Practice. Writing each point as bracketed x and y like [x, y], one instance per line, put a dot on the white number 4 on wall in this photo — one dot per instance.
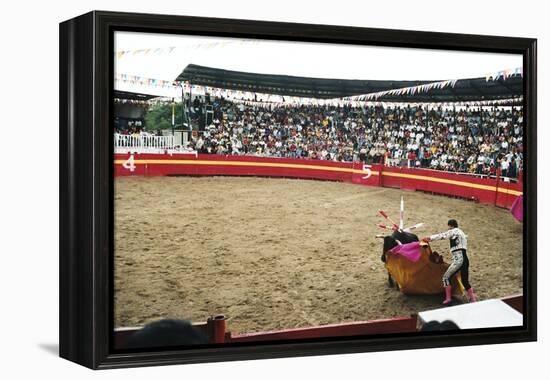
[129, 164]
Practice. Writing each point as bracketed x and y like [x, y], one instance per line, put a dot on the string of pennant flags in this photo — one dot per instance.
[142, 81]
[405, 90]
[262, 98]
[202, 90]
[173, 49]
[199, 89]
[151, 51]
[331, 102]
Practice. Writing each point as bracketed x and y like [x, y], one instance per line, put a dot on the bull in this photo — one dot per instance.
[422, 276]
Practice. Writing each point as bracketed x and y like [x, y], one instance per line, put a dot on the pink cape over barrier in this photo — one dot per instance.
[517, 209]
[410, 251]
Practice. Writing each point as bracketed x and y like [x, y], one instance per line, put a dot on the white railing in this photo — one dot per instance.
[143, 142]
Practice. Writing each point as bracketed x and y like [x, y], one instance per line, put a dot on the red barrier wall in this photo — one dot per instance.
[380, 326]
[209, 165]
[220, 335]
[507, 193]
[485, 190]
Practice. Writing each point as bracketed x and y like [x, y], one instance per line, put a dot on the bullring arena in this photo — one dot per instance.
[279, 253]
[269, 200]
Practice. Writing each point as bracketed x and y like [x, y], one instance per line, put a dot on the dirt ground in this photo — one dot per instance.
[283, 253]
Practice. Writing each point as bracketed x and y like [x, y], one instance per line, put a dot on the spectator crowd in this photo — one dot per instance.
[466, 140]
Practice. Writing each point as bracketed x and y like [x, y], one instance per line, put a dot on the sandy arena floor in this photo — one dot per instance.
[284, 253]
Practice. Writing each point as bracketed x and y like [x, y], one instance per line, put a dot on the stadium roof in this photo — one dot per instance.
[464, 90]
[133, 95]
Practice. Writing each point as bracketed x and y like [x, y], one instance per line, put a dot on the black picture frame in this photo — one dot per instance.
[86, 185]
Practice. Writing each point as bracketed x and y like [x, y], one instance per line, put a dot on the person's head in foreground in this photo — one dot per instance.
[439, 326]
[167, 332]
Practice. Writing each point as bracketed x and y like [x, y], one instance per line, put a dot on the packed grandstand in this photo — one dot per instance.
[478, 140]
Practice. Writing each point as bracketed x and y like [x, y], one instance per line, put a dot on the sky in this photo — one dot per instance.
[306, 59]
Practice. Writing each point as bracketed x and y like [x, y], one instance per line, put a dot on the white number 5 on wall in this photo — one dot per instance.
[366, 169]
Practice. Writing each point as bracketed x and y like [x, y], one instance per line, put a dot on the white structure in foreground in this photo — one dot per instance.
[477, 315]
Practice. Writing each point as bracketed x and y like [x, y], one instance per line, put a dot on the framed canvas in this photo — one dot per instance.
[237, 189]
